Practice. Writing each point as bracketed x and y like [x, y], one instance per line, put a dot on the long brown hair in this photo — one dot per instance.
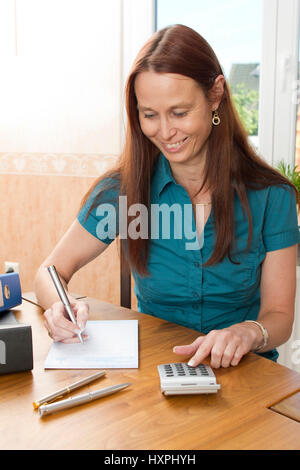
[232, 165]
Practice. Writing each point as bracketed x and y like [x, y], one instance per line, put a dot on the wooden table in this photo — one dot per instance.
[141, 417]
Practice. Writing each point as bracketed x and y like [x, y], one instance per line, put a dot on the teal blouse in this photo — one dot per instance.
[179, 289]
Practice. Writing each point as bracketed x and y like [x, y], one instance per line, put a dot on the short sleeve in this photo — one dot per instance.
[280, 228]
[102, 220]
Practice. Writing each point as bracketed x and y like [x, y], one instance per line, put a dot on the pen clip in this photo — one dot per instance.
[57, 398]
[36, 404]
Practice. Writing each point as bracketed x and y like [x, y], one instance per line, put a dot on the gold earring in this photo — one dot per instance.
[216, 118]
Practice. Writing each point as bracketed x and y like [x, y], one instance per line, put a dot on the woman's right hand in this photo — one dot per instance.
[59, 325]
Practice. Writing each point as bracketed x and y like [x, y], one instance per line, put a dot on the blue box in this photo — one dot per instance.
[10, 291]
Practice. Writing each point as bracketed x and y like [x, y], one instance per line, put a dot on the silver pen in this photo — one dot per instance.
[80, 399]
[63, 296]
[68, 389]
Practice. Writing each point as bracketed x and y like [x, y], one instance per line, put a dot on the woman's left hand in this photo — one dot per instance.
[226, 347]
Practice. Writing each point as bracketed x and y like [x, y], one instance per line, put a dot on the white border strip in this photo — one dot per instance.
[54, 164]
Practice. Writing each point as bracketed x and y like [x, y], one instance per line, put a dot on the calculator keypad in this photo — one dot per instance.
[183, 370]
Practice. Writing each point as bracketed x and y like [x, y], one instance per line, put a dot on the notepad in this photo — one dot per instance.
[111, 344]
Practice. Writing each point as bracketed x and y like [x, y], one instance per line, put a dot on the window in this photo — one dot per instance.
[233, 29]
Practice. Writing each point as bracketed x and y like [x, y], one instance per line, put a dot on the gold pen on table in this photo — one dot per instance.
[64, 391]
[63, 296]
[80, 399]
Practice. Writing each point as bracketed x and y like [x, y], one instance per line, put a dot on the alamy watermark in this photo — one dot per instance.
[165, 221]
[296, 354]
[296, 92]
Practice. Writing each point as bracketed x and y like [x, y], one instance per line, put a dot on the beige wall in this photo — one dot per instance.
[37, 206]
[35, 211]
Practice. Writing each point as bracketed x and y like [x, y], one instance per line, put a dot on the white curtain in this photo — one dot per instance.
[60, 80]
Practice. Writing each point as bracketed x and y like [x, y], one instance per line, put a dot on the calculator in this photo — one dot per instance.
[181, 379]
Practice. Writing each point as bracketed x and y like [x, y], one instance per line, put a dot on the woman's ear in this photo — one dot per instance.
[217, 91]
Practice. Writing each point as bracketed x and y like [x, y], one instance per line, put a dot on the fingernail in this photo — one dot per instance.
[174, 349]
[191, 363]
[81, 326]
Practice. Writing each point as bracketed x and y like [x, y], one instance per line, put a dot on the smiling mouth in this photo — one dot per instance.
[176, 145]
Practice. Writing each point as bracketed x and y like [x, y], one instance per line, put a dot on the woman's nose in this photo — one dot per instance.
[166, 131]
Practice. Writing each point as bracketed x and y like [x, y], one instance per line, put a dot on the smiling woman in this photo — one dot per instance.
[182, 129]
[178, 65]
[186, 145]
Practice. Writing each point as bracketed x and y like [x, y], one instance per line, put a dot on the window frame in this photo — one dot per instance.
[279, 73]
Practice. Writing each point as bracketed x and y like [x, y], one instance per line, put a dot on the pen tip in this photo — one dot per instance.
[80, 337]
[126, 385]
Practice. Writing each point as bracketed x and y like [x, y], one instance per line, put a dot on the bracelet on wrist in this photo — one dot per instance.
[264, 333]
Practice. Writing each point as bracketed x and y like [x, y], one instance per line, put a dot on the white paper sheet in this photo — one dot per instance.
[110, 344]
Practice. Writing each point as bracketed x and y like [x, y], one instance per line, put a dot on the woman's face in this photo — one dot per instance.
[174, 114]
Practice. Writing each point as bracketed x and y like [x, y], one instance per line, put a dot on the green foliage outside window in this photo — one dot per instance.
[246, 103]
[292, 174]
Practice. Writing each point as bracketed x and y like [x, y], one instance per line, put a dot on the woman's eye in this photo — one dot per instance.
[180, 114]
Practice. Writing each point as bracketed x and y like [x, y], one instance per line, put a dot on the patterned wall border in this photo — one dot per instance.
[56, 164]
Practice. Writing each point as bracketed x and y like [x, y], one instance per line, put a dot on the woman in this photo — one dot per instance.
[185, 145]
